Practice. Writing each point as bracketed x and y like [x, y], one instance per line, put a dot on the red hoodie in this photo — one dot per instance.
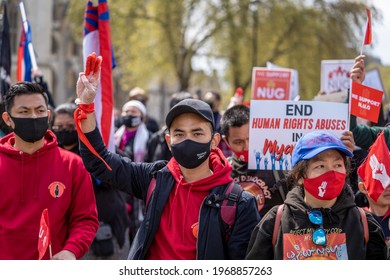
[49, 178]
[175, 239]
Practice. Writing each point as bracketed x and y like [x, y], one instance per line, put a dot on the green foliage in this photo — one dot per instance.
[158, 40]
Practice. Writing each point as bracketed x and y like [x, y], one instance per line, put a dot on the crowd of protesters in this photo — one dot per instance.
[183, 191]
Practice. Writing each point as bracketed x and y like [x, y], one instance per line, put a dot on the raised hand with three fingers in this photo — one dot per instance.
[88, 81]
[86, 89]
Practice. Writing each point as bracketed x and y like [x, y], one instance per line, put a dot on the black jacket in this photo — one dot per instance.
[342, 218]
[157, 148]
[134, 178]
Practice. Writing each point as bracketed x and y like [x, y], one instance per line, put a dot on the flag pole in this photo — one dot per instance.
[50, 252]
[25, 27]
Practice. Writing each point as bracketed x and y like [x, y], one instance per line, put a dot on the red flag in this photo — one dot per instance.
[368, 37]
[44, 238]
[375, 170]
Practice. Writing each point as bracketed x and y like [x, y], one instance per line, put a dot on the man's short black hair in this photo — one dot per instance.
[22, 88]
[235, 116]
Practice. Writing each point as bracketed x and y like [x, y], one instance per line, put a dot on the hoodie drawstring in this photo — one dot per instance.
[22, 175]
[22, 185]
[173, 203]
[36, 177]
[185, 213]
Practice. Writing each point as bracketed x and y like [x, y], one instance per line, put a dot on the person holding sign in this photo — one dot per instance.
[37, 174]
[319, 219]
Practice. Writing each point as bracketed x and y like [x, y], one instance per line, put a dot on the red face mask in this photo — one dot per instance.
[326, 186]
[243, 156]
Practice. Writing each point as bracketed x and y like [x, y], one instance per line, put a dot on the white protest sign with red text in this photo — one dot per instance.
[365, 102]
[271, 84]
[276, 126]
[335, 75]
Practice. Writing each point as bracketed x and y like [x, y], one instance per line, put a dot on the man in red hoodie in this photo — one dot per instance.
[35, 175]
[182, 220]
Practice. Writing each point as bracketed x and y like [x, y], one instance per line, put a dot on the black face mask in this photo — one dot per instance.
[31, 129]
[118, 122]
[190, 154]
[131, 121]
[66, 137]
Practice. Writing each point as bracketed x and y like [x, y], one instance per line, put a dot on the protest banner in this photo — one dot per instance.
[271, 84]
[335, 75]
[276, 126]
[294, 79]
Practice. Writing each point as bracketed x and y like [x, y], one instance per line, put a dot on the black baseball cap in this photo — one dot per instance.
[195, 106]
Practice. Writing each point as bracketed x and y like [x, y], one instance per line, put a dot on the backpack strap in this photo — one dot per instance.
[151, 188]
[365, 224]
[277, 224]
[280, 186]
[229, 206]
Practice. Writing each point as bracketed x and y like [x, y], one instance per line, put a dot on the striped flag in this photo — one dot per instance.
[97, 38]
[24, 66]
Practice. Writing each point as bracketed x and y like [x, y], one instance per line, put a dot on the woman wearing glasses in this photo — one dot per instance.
[319, 219]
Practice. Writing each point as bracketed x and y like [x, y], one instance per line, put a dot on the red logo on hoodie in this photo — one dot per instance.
[195, 229]
[56, 189]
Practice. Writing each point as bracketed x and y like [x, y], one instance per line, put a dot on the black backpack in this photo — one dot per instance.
[228, 204]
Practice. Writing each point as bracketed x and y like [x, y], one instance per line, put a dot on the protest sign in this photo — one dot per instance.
[276, 126]
[271, 84]
[365, 102]
[294, 86]
[335, 75]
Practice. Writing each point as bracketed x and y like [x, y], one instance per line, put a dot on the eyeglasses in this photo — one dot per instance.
[319, 235]
[69, 127]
